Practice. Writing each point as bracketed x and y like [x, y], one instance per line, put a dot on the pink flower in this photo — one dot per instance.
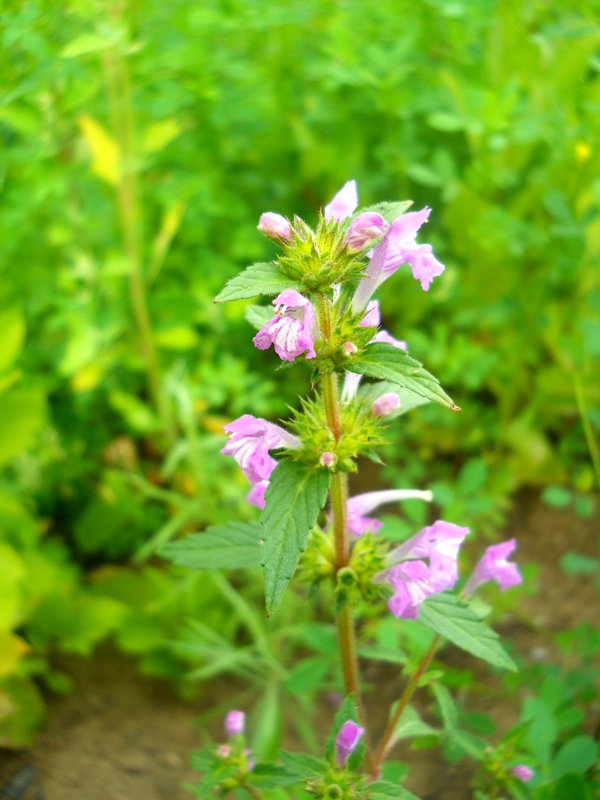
[364, 230]
[412, 585]
[291, 329]
[360, 505]
[327, 459]
[346, 741]
[523, 773]
[387, 338]
[386, 404]
[493, 566]
[234, 723]
[399, 247]
[250, 439]
[343, 204]
[274, 226]
[414, 580]
[439, 543]
[256, 495]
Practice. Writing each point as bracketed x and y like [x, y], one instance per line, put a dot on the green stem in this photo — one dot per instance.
[128, 199]
[339, 510]
[404, 700]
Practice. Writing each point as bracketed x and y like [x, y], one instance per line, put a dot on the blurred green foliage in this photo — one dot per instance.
[141, 140]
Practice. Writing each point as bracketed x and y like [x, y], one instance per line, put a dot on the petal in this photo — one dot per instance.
[343, 204]
[362, 504]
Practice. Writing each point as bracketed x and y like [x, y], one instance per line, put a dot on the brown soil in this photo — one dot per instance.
[120, 736]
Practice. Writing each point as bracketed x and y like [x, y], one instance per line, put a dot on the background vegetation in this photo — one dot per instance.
[141, 140]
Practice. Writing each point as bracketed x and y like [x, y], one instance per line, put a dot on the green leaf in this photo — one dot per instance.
[308, 675]
[411, 725]
[12, 334]
[21, 414]
[258, 316]
[233, 546]
[293, 500]
[456, 738]
[455, 621]
[261, 278]
[577, 755]
[301, 764]
[382, 790]
[388, 363]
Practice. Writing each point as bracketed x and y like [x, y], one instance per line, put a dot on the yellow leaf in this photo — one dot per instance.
[106, 158]
[159, 134]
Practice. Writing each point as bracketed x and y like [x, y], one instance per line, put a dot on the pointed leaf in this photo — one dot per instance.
[386, 790]
[293, 500]
[261, 278]
[232, 546]
[388, 363]
[455, 621]
[258, 316]
[369, 392]
[389, 211]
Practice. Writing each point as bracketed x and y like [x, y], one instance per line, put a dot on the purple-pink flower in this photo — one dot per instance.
[250, 439]
[234, 723]
[399, 247]
[494, 566]
[386, 404]
[346, 741]
[256, 495]
[364, 230]
[372, 318]
[439, 543]
[412, 579]
[291, 329]
[412, 585]
[275, 226]
[343, 204]
[523, 773]
[362, 504]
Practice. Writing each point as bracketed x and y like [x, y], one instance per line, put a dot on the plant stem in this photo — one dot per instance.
[128, 198]
[339, 510]
[404, 700]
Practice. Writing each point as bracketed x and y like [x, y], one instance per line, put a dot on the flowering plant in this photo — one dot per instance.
[324, 314]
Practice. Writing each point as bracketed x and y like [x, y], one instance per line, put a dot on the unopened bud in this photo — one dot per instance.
[274, 226]
[327, 459]
[523, 773]
[346, 741]
[349, 348]
[224, 751]
[365, 229]
[386, 404]
[346, 576]
[234, 723]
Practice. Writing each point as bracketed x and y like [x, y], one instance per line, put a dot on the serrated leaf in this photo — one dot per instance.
[302, 764]
[293, 500]
[257, 279]
[233, 546]
[258, 316]
[455, 621]
[388, 363]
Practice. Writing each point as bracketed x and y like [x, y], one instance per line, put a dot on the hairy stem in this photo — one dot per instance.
[339, 510]
[404, 700]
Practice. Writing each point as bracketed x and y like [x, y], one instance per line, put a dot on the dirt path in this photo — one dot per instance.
[120, 736]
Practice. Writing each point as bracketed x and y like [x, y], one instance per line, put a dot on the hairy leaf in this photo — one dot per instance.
[260, 278]
[455, 621]
[388, 363]
[232, 546]
[293, 500]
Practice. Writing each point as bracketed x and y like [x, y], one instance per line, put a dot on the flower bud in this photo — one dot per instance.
[327, 459]
[234, 723]
[386, 404]
[224, 751]
[523, 773]
[364, 230]
[349, 348]
[274, 226]
[346, 741]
